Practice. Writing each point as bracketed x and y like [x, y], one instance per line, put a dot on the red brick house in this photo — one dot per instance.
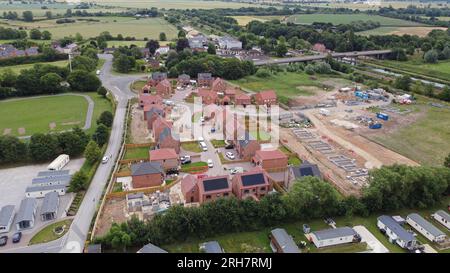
[252, 184]
[204, 79]
[146, 174]
[230, 92]
[212, 188]
[243, 99]
[152, 112]
[158, 125]
[164, 88]
[183, 79]
[167, 157]
[149, 99]
[226, 100]
[218, 85]
[167, 140]
[208, 96]
[246, 148]
[271, 160]
[189, 189]
[267, 97]
[156, 78]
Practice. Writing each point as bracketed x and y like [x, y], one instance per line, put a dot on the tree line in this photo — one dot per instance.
[390, 188]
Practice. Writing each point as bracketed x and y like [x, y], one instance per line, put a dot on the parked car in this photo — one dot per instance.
[210, 163]
[236, 170]
[16, 237]
[230, 155]
[186, 159]
[3, 240]
[203, 146]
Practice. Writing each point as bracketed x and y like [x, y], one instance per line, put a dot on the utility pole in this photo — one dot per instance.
[70, 61]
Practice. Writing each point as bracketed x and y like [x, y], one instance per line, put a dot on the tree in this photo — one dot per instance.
[426, 47]
[51, 83]
[35, 34]
[46, 35]
[106, 118]
[78, 37]
[78, 182]
[92, 152]
[102, 91]
[403, 82]
[162, 36]
[124, 63]
[152, 46]
[27, 16]
[445, 94]
[431, 56]
[83, 81]
[84, 63]
[181, 34]
[71, 143]
[8, 78]
[447, 161]
[12, 149]
[43, 147]
[101, 135]
[281, 49]
[182, 43]
[211, 49]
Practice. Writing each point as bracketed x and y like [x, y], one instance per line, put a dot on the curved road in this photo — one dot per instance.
[73, 241]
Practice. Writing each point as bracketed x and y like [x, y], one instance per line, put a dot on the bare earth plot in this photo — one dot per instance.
[420, 31]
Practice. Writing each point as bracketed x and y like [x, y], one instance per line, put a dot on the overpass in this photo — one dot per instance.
[335, 55]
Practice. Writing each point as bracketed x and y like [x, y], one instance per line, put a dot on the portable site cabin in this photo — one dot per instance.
[41, 191]
[6, 218]
[333, 236]
[49, 210]
[27, 212]
[396, 233]
[442, 217]
[425, 228]
[282, 242]
[59, 163]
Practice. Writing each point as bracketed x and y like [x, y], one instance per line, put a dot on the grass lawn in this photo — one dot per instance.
[173, 4]
[127, 26]
[138, 85]
[191, 147]
[18, 68]
[36, 114]
[101, 104]
[347, 19]
[244, 20]
[47, 234]
[258, 241]
[218, 143]
[138, 152]
[195, 166]
[292, 158]
[427, 140]
[286, 84]
[415, 64]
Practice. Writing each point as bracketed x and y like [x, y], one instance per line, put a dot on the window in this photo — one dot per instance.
[263, 188]
[225, 194]
[208, 197]
[246, 191]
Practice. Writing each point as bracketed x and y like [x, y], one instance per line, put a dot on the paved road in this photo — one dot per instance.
[73, 241]
[321, 57]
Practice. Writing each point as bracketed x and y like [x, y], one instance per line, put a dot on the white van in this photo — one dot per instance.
[203, 146]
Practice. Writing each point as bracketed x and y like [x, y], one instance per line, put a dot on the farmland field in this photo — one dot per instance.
[377, 4]
[347, 18]
[18, 68]
[244, 20]
[427, 140]
[171, 4]
[419, 31]
[127, 26]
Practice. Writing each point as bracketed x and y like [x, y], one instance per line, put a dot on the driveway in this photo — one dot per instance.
[371, 240]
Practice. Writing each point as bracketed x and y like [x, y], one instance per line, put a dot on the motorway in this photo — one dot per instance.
[321, 56]
[73, 241]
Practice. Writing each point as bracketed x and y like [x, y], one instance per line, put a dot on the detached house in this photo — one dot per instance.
[157, 77]
[168, 140]
[208, 96]
[158, 126]
[204, 79]
[168, 158]
[184, 79]
[252, 184]
[164, 88]
[246, 148]
[149, 99]
[271, 160]
[243, 99]
[147, 174]
[268, 97]
[218, 85]
[189, 189]
[153, 112]
[211, 188]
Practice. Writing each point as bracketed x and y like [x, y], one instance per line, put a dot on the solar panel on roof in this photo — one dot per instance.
[306, 171]
[252, 179]
[215, 184]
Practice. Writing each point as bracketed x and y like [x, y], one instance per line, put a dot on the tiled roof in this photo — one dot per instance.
[146, 168]
[267, 155]
[161, 154]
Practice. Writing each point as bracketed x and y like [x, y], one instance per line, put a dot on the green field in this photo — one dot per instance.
[427, 140]
[347, 19]
[376, 5]
[127, 26]
[440, 70]
[139, 152]
[258, 241]
[35, 114]
[18, 68]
